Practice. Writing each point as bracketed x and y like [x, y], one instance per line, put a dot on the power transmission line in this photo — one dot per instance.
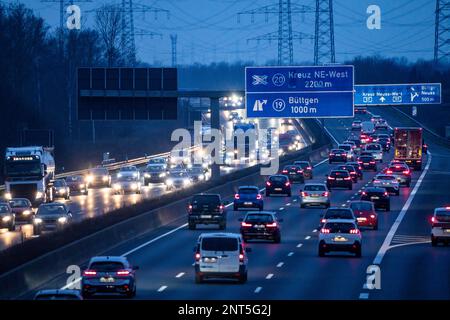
[324, 33]
[442, 31]
[173, 40]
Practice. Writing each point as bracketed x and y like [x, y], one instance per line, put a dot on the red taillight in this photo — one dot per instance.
[324, 230]
[354, 231]
[331, 178]
[258, 197]
[347, 178]
[376, 181]
[360, 168]
[325, 194]
[241, 257]
[236, 196]
[360, 163]
[331, 154]
[372, 216]
[245, 224]
[123, 273]
[389, 171]
[323, 220]
[309, 168]
[89, 273]
[221, 207]
[397, 167]
[197, 256]
[304, 194]
[364, 193]
[284, 171]
[406, 172]
[268, 184]
[190, 207]
[372, 162]
[433, 219]
[447, 208]
[299, 171]
[386, 194]
[287, 184]
[271, 225]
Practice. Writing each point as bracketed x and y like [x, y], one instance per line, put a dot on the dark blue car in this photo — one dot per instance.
[248, 197]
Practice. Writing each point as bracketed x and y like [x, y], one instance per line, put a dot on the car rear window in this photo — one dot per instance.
[206, 200]
[337, 151]
[443, 215]
[248, 190]
[263, 218]
[348, 168]
[219, 244]
[99, 171]
[338, 213]
[315, 188]
[366, 159]
[385, 178]
[106, 266]
[343, 174]
[51, 210]
[278, 178]
[339, 227]
[345, 147]
[291, 168]
[302, 164]
[397, 168]
[361, 206]
[373, 147]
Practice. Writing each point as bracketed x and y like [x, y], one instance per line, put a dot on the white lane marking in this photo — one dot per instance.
[282, 208]
[193, 264]
[315, 230]
[288, 204]
[162, 288]
[180, 275]
[348, 200]
[329, 133]
[290, 254]
[408, 244]
[365, 286]
[269, 276]
[261, 190]
[299, 245]
[258, 289]
[295, 200]
[279, 265]
[228, 204]
[364, 295]
[307, 237]
[319, 163]
[385, 246]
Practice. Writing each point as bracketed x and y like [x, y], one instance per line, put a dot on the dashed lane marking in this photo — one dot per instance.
[364, 295]
[307, 237]
[299, 245]
[258, 289]
[290, 254]
[269, 276]
[280, 264]
[180, 274]
[162, 288]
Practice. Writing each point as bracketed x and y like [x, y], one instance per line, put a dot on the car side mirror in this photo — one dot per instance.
[135, 267]
[241, 219]
[248, 250]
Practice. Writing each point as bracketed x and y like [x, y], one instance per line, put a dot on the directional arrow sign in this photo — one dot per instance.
[299, 92]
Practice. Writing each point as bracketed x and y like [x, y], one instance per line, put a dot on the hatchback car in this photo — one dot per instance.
[440, 226]
[315, 194]
[379, 197]
[51, 216]
[278, 184]
[261, 225]
[7, 217]
[337, 155]
[98, 177]
[61, 189]
[306, 167]
[340, 235]
[339, 179]
[77, 184]
[350, 170]
[387, 181]
[357, 168]
[367, 162]
[401, 172]
[58, 294]
[295, 173]
[336, 213]
[365, 214]
[248, 197]
[22, 209]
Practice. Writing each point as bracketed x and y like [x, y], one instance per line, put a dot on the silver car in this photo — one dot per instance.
[178, 179]
[389, 182]
[315, 194]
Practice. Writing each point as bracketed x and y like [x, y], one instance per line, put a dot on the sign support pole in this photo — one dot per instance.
[215, 124]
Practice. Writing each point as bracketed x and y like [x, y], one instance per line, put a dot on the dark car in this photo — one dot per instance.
[278, 184]
[295, 173]
[58, 294]
[385, 143]
[7, 217]
[60, 189]
[336, 213]
[51, 216]
[197, 172]
[379, 197]
[357, 168]
[339, 179]
[350, 170]
[155, 173]
[22, 209]
[261, 225]
[365, 214]
[361, 110]
[109, 275]
[98, 177]
[248, 197]
[206, 208]
[77, 184]
[367, 162]
[337, 155]
[306, 167]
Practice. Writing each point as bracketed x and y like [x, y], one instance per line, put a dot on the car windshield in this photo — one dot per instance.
[385, 178]
[75, 179]
[126, 178]
[155, 168]
[366, 159]
[4, 208]
[443, 215]
[125, 169]
[339, 227]
[339, 174]
[99, 172]
[278, 179]
[178, 174]
[338, 213]
[345, 147]
[219, 244]
[348, 168]
[248, 190]
[17, 203]
[206, 200]
[157, 161]
[315, 187]
[106, 266]
[47, 210]
[261, 218]
[59, 183]
[59, 296]
[361, 206]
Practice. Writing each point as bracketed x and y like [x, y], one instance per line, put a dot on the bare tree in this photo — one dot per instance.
[108, 24]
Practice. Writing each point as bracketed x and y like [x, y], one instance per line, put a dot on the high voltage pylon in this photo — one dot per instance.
[285, 35]
[442, 31]
[324, 33]
[173, 40]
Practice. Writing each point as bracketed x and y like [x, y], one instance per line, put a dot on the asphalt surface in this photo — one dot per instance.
[292, 269]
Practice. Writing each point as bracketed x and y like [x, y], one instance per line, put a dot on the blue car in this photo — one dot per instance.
[248, 197]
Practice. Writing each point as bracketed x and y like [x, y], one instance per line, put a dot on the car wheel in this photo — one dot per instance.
[86, 295]
[302, 205]
[350, 187]
[327, 205]
[321, 252]
[235, 208]
[434, 241]
[375, 227]
[192, 226]
[408, 184]
[289, 194]
[330, 162]
[37, 231]
[358, 252]
[243, 278]
[397, 193]
[310, 177]
[261, 208]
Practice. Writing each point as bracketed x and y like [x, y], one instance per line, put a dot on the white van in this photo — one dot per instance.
[220, 255]
[367, 127]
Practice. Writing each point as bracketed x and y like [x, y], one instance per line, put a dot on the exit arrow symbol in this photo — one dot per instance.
[382, 99]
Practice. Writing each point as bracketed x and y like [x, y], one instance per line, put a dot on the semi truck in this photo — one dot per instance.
[28, 172]
[408, 143]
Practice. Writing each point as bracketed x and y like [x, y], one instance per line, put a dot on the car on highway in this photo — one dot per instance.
[365, 138]
[248, 197]
[58, 294]
[77, 184]
[98, 177]
[336, 213]
[177, 179]
[22, 209]
[159, 161]
[197, 172]
[129, 171]
[360, 110]
[379, 197]
[340, 235]
[109, 275]
[126, 183]
[351, 169]
[385, 144]
[356, 125]
[221, 255]
[367, 127]
[440, 226]
[365, 214]
[349, 150]
[306, 167]
[337, 155]
[60, 189]
[207, 208]
[352, 143]
[339, 179]
[356, 141]
[295, 173]
[261, 225]
[315, 194]
[381, 125]
[387, 181]
[375, 118]
[375, 150]
[401, 171]
[278, 184]
[357, 168]
[155, 173]
[367, 162]
[51, 216]
[7, 217]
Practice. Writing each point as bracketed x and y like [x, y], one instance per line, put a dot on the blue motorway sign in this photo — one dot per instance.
[299, 92]
[397, 94]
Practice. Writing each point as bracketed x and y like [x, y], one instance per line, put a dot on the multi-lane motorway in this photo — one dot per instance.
[410, 268]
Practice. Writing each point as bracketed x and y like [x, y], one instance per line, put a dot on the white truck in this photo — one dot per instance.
[28, 173]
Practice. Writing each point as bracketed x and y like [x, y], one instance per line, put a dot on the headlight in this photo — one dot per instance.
[186, 182]
[116, 186]
[6, 218]
[90, 178]
[169, 182]
[82, 185]
[146, 175]
[189, 165]
[39, 195]
[119, 175]
[134, 186]
[62, 190]
[26, 212]
[105, 178]
[135, 174]
[8, 196]
[201, 177]
[162, 175]
[62, 220]
[37, 220]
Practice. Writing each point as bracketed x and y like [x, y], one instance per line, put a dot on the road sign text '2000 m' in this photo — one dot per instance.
[299, 92]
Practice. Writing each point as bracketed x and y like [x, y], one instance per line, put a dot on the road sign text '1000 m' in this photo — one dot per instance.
[299, 91]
